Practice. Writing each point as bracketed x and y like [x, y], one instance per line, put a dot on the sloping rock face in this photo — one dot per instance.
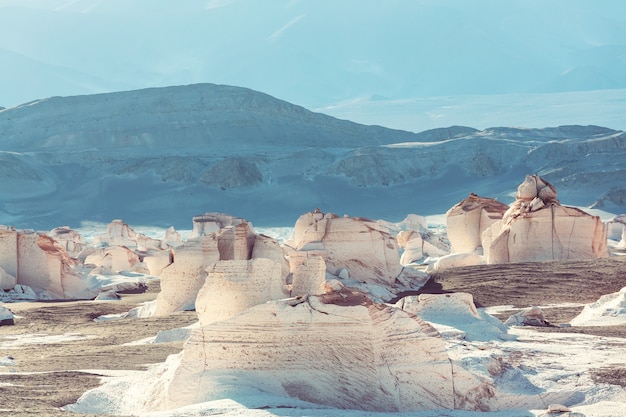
[363, 356]
[360, 246]
[467, 220]
[537, 228]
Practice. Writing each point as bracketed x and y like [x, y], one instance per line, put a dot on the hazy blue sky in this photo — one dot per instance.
[312, 52]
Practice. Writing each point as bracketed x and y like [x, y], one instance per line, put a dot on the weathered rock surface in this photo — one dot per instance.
[362, 247]
[468, 219]
[365, 356]
[112, 259]
[233, 286]
[224, 257]
[38, 261]
[6, 316]
[118, 234]
[537, 228]
[71, 240]
[532, 316]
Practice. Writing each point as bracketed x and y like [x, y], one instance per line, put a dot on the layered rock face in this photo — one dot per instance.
[360, 355]
[537, 228]
[467, 221]
[222, 270]
[71, 240]
[361, 247]
[38, 261]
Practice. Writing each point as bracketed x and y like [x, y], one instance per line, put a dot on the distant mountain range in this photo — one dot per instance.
[159, 156]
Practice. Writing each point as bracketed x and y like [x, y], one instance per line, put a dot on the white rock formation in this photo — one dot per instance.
[233, 286]
[118, 234]
[532, 316]
[147, 243]
[364, 356]
[6, 316]
[419, 245]
[609, 310]
[617, 230]
[71, 240]
[467, 220]
[455, 315]
[182, 279]
[38, 261]
[113, 259]
[208, 223]
[362, 247]
[537, 228]
[7, 281]
[455, 260]
[172, 237]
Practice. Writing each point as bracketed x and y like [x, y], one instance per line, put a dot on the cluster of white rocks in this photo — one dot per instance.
[535, 227]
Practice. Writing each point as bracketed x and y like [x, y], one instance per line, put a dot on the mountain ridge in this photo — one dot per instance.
[160, 156]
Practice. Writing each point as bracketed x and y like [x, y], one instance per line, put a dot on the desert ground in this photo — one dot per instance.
[44, 377]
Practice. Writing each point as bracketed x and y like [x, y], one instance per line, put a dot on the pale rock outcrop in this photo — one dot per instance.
[112, 259]
[455, 315]
[147, 243]
[309, 277]
[118, 234]
[532, 316]
[455, 260]
[419, 245]
[71, 240]
[172, 237]
[7, 281]
[537, 228]
[361, 246]
[224, 254]
[38, 261]
[616, 230]
[233, 286]
[6, 316]
[267, 247]
[236, 242]
[358, 355]
[609, 310]
[182, 279]
[208, 223]
[157, 261]
[467, 220]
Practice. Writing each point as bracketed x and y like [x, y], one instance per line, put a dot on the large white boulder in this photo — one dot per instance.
[537, 228]
[468, 219]
[362, 247]
[368, 356]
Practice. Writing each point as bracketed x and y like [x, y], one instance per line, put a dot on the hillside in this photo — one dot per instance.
[159, 156]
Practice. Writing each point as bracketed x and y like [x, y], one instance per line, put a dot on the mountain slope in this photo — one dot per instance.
[160, 156]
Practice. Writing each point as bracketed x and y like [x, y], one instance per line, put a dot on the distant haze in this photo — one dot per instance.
[318, 54]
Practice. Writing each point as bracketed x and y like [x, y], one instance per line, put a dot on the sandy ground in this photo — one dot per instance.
[47, 376]
[51, 375]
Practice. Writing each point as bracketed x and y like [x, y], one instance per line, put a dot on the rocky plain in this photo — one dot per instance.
[344, 315]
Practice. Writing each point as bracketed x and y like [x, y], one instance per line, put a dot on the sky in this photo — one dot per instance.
[313, 53]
